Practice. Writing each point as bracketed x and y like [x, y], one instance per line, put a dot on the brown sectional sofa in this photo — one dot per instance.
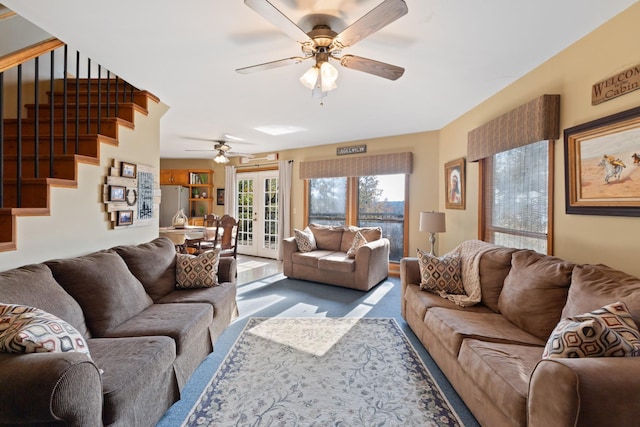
[330, 264]
[491, 352]
[145, 336]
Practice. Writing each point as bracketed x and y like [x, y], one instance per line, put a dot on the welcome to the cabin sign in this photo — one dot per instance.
[615, 86]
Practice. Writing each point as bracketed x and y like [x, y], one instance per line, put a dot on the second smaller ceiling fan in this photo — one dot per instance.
[223, 149]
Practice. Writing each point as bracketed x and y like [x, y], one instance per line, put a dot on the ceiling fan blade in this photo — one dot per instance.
[380, 69]
[270, 65]
[380, 16]
[211, 149]
[272, 14]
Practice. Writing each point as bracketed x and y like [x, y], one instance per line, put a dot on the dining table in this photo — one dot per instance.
[178, 235]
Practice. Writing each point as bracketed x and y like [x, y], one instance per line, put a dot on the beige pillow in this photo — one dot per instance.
[358, 241]
[441, 275]
[199, 271]
[534, 292]
[607, 331]
[305, 240]
[27, 329]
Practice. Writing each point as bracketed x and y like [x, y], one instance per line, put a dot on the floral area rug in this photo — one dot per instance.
[322, 372]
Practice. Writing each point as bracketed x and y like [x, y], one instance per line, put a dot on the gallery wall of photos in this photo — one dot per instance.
[131, 194]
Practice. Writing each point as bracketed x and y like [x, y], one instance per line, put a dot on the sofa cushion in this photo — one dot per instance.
[185, 323]
[328, 237]
[594, 286]
[135, 375]
[607, 331]
[420, 301]
[43, 292]
[441, 274]
[534, 292]
[197, 271]
[349, 234]
[305, 240]
[336, 261]
[25, 329]
[309, 259]
[107, 291]
[501, 371]
[453, 326]
[358, 241]
[153, 264]
[494, 268]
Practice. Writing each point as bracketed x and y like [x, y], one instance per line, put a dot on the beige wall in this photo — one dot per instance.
[78, 222]
[571, 73]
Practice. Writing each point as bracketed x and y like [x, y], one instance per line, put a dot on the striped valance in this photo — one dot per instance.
[383, 164]
[537, 120]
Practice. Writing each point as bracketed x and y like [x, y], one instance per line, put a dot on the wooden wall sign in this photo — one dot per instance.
[354, 149]
[131, 195]
[615, 86]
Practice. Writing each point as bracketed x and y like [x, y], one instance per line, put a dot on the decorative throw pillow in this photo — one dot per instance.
[199, 271]
[25, 329]
[305, 240]
[358, 241]
[607, 331]
[442, 275]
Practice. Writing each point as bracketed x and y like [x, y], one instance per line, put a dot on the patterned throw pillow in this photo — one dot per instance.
[358, 240]
[25, 329]
[441, 275]
[305, 240]
[199, 271]
[607, 331]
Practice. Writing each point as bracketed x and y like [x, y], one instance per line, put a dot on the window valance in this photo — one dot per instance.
[537, 120]
[382, 164]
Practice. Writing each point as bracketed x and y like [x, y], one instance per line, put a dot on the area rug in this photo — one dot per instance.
[322, 372]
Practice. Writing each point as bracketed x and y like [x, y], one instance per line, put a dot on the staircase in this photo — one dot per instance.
[43, 148]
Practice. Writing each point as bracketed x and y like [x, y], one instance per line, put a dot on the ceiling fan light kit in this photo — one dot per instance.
[322, 43]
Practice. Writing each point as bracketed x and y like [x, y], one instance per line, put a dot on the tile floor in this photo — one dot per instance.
[254, 268]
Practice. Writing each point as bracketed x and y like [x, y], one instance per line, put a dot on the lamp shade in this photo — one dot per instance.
[432, 222]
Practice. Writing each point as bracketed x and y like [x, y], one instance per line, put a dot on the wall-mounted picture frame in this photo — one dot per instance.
[127, 170]
[220, 197]
[602, 166]
[454, 184]
[117, 193]
[125, 217]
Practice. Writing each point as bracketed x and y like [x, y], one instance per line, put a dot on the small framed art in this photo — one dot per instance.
[454, 183]
[127, 170]
[125, 217]
[117, 193]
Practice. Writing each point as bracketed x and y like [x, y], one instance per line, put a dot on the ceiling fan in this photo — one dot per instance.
[223, 149]
[324, 44]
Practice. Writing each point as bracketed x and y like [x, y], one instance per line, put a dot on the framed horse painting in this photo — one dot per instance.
[602, 166]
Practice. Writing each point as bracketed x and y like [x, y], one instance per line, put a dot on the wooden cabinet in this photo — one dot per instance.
[200, 185]
[174, 177]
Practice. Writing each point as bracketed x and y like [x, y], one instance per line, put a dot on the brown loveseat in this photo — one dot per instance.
[491, 352]
[329, 262]
[145, 337]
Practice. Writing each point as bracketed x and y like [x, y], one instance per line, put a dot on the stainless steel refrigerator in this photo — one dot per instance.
[174, 197]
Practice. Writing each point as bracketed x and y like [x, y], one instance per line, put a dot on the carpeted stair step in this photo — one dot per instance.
[108, 127]
[126, 111]
[88, 145]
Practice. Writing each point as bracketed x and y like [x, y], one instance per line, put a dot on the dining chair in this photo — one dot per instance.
[228, 228]
[209, 238]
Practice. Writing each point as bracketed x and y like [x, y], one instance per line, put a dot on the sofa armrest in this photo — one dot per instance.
[227, 269]
[289, 246]
[372, 263]
[45, 387]
[586, 391]
[409, 274]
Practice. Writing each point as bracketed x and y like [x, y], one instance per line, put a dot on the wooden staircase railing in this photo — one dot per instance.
[63, 111]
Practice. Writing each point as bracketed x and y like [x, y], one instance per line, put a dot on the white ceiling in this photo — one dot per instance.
[456, 54]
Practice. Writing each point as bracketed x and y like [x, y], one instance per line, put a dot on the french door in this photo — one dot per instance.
[257, 214]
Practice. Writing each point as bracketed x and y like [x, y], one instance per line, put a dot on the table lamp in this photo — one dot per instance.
[432, 222]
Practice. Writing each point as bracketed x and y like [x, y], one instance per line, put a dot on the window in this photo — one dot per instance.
[366, 201]
[517, 197]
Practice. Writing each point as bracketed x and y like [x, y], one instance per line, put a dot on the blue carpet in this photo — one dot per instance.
[277, 296]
